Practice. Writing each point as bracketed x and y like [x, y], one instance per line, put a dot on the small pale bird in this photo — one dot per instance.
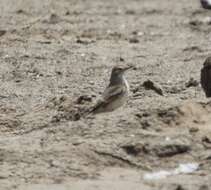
[206, 77]
[116, 93]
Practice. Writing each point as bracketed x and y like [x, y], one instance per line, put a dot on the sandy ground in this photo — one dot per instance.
[55, 61]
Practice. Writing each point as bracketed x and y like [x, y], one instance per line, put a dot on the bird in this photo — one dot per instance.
[116, 93]
[206, 77]
[206, 4]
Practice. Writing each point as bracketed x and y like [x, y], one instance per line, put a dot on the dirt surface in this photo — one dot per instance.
[55, 61]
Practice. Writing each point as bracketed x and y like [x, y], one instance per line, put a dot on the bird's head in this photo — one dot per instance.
[120, 70]
[117, 74]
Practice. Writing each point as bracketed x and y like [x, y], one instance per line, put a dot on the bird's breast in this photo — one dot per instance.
[126, 84]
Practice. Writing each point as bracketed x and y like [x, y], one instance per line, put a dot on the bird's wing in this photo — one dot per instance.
[109, 95]
[113, 91]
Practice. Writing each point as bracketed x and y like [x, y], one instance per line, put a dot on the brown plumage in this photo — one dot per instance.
[115, 95]
[206, 77]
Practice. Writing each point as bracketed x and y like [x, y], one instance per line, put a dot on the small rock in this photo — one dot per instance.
[134, 40]
[141, 115]
[52, 19]
[121, 59]
[84, 41]
[67, 13]
[206, 139]
[193, 129]
[179, 187]
[130, 12]
[54, 163]
[2, 32]
[192, 83]
[114, 34]
[168, 115]
[149, 85]
[173, 187]
[195, 22]
[82, 99]
[204, 187]
[5, 174]
[58, 72]
[193, 48]
[137, 33]
[170, 148]
[20, 11]
[133, 150]
[145, 124]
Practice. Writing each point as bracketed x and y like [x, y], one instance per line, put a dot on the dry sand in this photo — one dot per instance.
[55, 60]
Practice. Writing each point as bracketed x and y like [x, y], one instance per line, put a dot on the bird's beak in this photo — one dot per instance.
[128, 67]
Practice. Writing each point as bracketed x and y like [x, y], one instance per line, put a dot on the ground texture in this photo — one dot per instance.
[55, 61]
